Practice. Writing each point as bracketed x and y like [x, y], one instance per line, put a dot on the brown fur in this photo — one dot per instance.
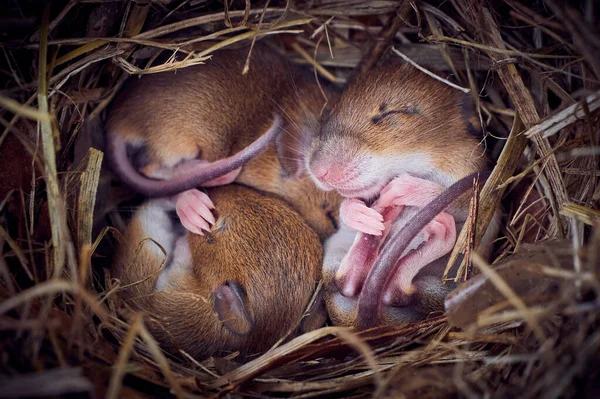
[258, 241]
[421, 117]
[391, 111]
[213, 111]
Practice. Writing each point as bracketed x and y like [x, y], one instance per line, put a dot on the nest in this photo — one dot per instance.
[534, 71]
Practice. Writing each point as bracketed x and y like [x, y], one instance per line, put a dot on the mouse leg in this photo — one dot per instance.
[355, 214]
[194, 210]
[405, 190]
[440, 233]
[440, 237]
[356, 264]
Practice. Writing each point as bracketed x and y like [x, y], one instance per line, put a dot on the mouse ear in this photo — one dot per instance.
[316, 314]
[231, 308]
[469, 114]
[292, 145]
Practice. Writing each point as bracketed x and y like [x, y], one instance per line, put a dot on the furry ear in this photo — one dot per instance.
[292, 147]
[230, 304]
[469, 114]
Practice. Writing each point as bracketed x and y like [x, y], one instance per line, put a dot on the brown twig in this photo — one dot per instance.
[384, 39]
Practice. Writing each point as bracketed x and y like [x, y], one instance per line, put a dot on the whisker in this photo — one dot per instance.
[294, 150]
[282, 110]
[291, 135]
[317, 75]
[301, 103]
[288, 158]
[443, 123]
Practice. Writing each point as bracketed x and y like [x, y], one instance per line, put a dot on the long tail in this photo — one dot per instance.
[124, 169]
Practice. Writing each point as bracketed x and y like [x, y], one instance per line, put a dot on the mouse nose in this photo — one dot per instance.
[320, 171]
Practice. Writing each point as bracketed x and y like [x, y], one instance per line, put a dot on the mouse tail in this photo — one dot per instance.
[122, 166]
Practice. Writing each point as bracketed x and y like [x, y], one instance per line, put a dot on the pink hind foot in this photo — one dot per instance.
[440, 237]
[358, 216]
[194, 210]
[359, 259]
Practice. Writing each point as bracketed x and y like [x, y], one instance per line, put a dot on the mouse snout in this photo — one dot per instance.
[332, 169]
[329, 174]
[320, 171]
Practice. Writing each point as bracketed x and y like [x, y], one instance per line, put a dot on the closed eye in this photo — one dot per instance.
[407, 110]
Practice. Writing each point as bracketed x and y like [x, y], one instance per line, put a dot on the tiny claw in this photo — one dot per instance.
[426, 235]
[358, 216]
[372, 213]
[202, 197]
[193, 209]
[190, 227]
[203, 211]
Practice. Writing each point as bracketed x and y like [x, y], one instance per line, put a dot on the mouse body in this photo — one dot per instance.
[172, 126]
[393, 143]
[240, 287]
[397, 262]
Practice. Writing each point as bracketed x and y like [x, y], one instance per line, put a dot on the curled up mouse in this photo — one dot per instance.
[237, 251]
[394, 142]
[208, 125]
[240, 287]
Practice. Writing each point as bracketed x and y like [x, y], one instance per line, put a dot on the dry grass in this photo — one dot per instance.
[534, 73]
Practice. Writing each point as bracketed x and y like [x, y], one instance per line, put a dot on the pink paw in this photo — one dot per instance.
[443, 228]
[440, 237]
[193, 208]
[358, 216]
[409, 191]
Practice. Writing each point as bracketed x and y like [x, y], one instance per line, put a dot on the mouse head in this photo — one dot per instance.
[393, 120]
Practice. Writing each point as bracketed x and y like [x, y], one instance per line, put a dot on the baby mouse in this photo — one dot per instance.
[166, 129]
[241, 287]
[400, 138]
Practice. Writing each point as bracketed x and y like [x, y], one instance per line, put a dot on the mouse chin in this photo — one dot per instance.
[321, 185]
[367, 192]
